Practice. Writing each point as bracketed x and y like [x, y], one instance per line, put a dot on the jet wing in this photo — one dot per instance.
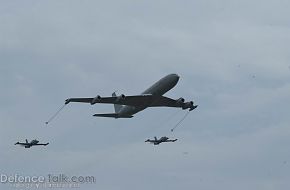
[164, 101]
[41, 144]
[114, 115]
[23, 144]
[143, 100]
[171, 140]
[139, 100]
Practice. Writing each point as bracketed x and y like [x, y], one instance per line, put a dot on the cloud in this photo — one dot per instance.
[233, 61]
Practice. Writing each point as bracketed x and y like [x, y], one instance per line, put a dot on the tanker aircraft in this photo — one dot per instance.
[127, 106]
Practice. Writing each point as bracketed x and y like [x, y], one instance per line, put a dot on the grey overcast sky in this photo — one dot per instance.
[233, 60]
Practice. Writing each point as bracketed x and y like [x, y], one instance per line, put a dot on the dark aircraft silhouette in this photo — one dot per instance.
[30, 144]
[127, 106]
[161, 140]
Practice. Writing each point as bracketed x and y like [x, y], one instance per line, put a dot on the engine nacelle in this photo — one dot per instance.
[188, 105]
[96, 99]
[121, 97]
[180, 101]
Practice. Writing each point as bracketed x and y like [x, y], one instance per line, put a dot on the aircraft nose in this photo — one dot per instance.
[175, 77]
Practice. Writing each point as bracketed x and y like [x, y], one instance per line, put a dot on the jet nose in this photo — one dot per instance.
[171, 80]
[175, 77]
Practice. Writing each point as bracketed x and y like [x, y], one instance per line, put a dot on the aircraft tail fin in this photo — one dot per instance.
[114, 115]
[26, 140]
[155, 138]
[116, 106]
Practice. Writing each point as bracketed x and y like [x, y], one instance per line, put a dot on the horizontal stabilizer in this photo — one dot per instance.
[114, 115]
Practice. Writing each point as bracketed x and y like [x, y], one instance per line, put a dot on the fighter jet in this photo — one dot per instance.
[127, 106]
[30, 144]
[161, 140]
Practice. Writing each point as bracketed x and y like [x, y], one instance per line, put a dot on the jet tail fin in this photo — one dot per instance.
[114, 115]
[155, 138]
[116, 106]
[26, 140]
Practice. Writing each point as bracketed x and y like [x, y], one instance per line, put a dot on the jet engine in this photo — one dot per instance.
[180, 101]
[96, 99]
[187, 105]
[121, 97]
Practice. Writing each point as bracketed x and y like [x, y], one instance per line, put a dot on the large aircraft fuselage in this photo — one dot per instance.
[158, 89]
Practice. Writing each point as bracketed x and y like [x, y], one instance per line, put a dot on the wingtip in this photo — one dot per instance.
[194, 107]
[67, 101]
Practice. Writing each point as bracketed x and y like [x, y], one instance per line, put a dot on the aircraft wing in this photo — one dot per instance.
[143, 100]
[171, 140]
[151, 141]
[22, 144]
[41, 144]
[138, 100]
[164, 101]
